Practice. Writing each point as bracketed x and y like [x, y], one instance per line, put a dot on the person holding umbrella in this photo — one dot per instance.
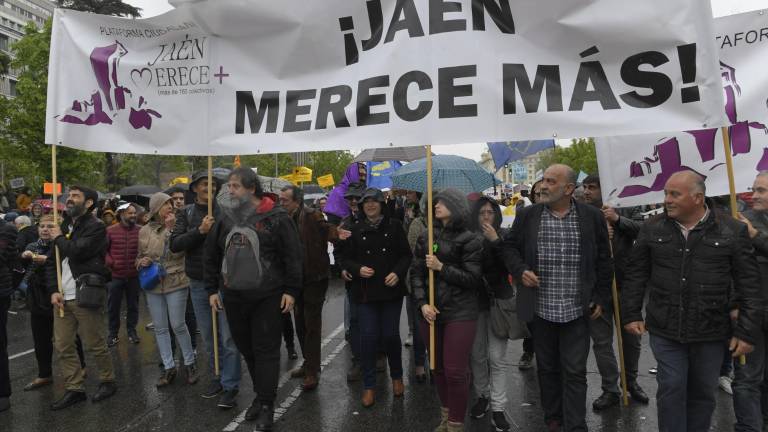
[377, 256]
[458, 267]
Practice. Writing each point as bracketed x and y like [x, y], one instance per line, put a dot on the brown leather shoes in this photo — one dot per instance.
[398, 388]
[310, 382]
[369, 398]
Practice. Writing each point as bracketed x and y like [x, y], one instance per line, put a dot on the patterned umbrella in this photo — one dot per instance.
[448, 171]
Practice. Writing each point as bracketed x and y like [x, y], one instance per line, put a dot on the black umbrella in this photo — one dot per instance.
[139, 190]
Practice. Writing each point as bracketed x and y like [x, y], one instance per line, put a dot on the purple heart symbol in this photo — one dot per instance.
[139, 79]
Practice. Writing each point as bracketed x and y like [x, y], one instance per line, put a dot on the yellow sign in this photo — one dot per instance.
[177, 180]
[290, 178]
[326, 181]
[302, 174]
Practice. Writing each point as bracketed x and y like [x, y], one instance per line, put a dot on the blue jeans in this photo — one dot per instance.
[380, 319]
[229, 356]
[419, 349]
[165, 307]
[749, 388]
[687, 380]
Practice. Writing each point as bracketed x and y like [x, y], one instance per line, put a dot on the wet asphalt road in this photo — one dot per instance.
[334, 406]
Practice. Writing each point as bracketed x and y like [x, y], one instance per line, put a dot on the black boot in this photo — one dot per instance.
[266, 418]
[70, 398]
[253, 411]
[637, 393]
[106, 390]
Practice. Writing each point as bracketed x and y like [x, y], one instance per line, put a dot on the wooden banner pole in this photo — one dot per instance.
[732, 188]
[619, 336]
[214, 312]
[430, 251]
[55, 180]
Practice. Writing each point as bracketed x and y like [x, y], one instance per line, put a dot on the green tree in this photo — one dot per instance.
[580, 155]
[22, 134]
[103, 7]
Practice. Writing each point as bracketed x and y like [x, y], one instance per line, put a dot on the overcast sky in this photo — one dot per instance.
[151, 8]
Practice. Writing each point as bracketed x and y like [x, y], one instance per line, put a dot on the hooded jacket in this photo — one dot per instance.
[382, 247]
[496, 279]
[461, 252]
[279, 245]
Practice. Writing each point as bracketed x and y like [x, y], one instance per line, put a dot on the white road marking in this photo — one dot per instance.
[21, 354]
[240, 418]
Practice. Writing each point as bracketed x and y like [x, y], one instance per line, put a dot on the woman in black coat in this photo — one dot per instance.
[458, 268]
[377, 256]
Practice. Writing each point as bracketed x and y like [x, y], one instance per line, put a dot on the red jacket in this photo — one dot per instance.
[122, 248]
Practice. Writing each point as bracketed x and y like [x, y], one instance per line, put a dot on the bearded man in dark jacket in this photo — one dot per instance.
[255, 313]
[559, 252]
[82, 243]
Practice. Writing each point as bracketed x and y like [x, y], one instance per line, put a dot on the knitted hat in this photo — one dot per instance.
[156, 202]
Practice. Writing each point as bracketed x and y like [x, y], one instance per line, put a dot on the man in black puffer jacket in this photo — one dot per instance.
[192, 227]
[688, 260]
[7, 258]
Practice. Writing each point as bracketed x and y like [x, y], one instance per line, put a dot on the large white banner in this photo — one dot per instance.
[634, 169]
[253, 76]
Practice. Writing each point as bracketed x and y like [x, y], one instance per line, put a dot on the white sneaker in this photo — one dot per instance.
[725, 384]
[409, 340]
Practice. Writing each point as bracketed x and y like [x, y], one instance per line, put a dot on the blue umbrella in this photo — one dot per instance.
[448, 171]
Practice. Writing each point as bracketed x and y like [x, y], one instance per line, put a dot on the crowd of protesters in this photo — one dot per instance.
[250, 258]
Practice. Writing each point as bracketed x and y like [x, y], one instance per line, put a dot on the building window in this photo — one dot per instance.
[12, 87]
[3, 42]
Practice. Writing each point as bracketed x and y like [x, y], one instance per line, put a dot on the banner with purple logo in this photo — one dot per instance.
[249, 76]
[634, 169]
